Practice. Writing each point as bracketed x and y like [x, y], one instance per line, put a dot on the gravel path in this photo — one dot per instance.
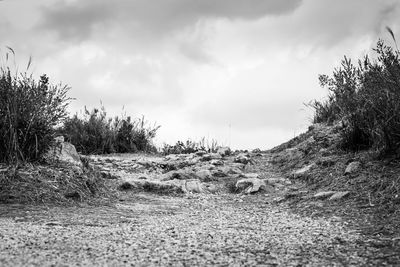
[194, 230]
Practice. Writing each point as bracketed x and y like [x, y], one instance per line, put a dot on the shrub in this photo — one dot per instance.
[190, 147]
[366, 98]
[29, 111]
[95, 133]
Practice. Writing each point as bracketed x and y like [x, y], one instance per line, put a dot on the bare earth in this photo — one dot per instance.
[146, 229]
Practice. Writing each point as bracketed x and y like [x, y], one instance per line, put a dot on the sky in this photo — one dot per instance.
[237, 71]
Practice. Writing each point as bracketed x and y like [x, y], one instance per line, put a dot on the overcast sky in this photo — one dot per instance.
[238, 71]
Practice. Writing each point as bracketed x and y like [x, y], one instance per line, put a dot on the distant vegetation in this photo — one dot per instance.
[190, 147]
[95, 133]
[366, 98]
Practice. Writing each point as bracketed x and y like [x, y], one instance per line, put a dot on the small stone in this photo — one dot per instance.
[217, 162]
[73, 195]
[352, 167]
[303, 171]
[339, 195]
[323, 195]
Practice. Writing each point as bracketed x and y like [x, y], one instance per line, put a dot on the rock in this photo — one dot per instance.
[339, 195]
[224, 151]
[64, 152]
[178, 175]
[256, 151]
[242, 158]
[301, 173]
[125, 186]
[352, 167]
[323, 195]
[275, 181]
[218, 173]
[193, 186]
[204, 175]
[250, 185]
[200, 153]
[210, 188]
[217, 162]
[206, 157]
[251, 175]
[326, 161]
[73, 195]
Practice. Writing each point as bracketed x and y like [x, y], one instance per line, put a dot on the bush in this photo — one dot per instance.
[190, 147]
[366, 98]
[95, 133]
[29, 111]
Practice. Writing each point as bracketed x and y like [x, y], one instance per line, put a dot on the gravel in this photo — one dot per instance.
[194, 230]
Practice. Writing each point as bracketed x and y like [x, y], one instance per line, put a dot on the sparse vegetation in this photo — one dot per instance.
[95, 133]
[190, 147]
[29, 111]
[366, 99]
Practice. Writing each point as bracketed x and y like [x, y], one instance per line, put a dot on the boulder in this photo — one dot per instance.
[352, 167]
[250, 185]
[64, 152]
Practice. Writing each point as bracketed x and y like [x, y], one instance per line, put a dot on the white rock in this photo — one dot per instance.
[352, 167]
[303, 171]
[323, 195]
[339, 195]
[250, 185]
[64, 152]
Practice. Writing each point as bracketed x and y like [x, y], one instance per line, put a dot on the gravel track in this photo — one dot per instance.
[194, 230]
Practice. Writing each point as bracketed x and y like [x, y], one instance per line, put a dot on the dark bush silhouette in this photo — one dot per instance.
[95, 133]
[366, 99]
[29, 112]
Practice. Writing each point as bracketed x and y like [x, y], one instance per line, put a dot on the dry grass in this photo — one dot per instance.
[56, 184]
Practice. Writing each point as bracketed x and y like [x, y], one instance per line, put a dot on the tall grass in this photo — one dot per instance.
[95, 133]
[29, 111]
[366, 98]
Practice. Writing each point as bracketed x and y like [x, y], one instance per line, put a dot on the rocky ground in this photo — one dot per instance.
[199, 209]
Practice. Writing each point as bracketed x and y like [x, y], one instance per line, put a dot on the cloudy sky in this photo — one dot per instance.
[238, 71]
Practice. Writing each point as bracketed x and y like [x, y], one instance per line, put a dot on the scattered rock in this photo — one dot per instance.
[250, 185]
[217, 162]
[204, 175]
[242, 158]
[339, 195]
[352, 167]
[324, 195]
[251, 175]
[224, 151]
[303, 172]
[193, 186]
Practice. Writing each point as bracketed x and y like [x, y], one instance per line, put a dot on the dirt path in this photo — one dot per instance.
[191, 230]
